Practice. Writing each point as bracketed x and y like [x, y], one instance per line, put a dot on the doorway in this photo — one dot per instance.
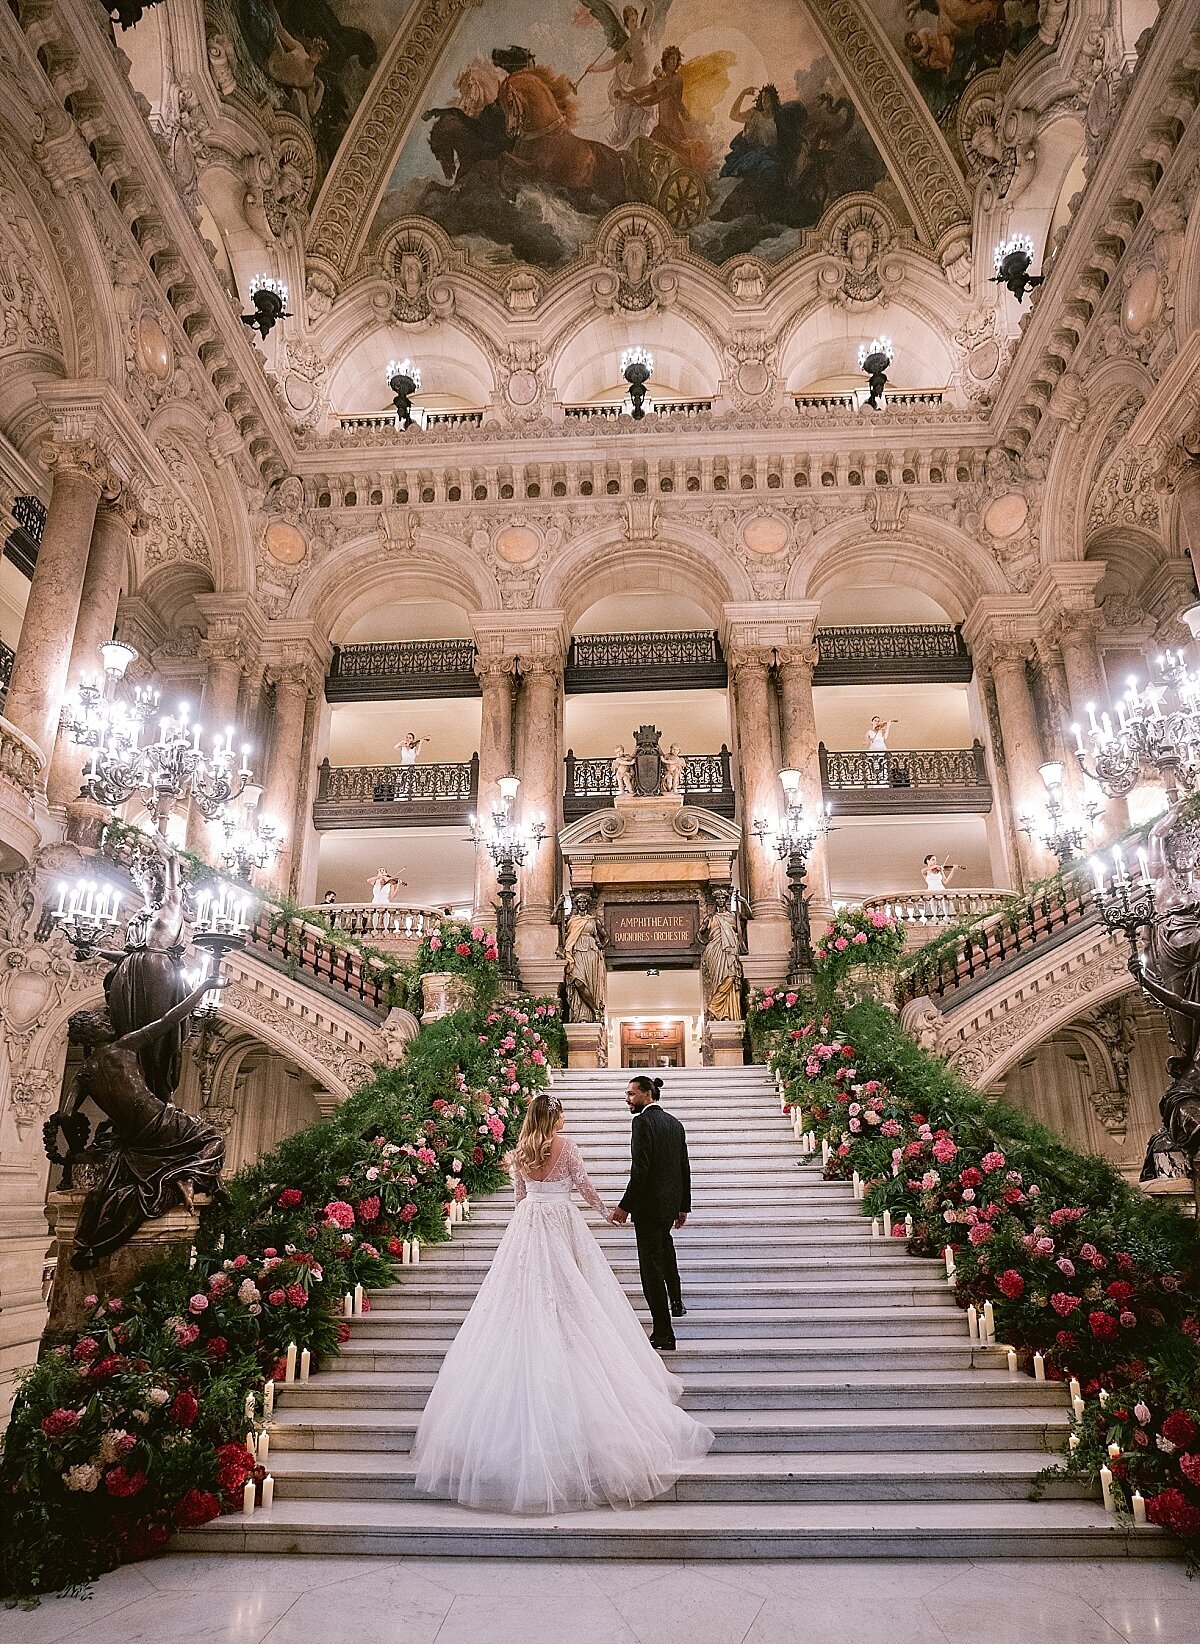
[652, 1044]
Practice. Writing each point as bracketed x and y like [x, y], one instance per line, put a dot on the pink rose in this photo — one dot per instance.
[339, 1213]
[944, 1150]
[198, 1303]
[277, 1298]
[435, 944]
[477, 933]
[993, 1161]
[859, 939]
[841, 944]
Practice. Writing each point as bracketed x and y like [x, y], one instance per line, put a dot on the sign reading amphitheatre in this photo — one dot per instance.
[652, 930]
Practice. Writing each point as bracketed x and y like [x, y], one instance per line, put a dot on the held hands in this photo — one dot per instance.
[679, 1220]
[619, 1217]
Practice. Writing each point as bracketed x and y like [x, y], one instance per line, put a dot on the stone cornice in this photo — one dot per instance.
[537, 638]
[767, 627]
[999, 627]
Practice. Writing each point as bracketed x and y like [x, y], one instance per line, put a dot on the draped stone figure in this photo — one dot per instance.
[159, 1155]
[585, 976]
[721, 964]
[147, 981]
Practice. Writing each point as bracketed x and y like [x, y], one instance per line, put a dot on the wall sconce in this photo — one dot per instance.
[404, 380]
[1011, 260]
[874, 358]
[270, 304]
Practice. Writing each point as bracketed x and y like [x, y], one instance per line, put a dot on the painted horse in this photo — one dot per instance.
[539, 111]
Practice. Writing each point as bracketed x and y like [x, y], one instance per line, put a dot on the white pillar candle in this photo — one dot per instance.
[268, 1493]
[887, 1224]
[973, 1322]
[1073, 1441]
[1078, 1406]
[289, 1373]
[989, 1321]
[1106, 1489]
[856, 1184]
[949, 1262]
[358, 1300]
[249, 1406]
[1103, 1397]
[252, 1446]
[268, 1400]
[874, 1227]
[416, 1252]
[248, 1497]
[1114, 1452]
[1073, 1388]
[824, 1150]
[449, 1225]
[1139, 1507]
[305, 1364]
[1012, 1362]
[264, 1445]
[1039, 1367]
[347, 1304]
[908, 1226]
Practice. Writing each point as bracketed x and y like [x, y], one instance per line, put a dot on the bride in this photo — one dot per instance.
[551, 1396]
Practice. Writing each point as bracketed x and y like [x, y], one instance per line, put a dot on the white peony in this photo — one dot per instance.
[83, 1477]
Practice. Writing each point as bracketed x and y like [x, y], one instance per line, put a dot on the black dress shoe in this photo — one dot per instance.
[661, 1345]
[678, 1312]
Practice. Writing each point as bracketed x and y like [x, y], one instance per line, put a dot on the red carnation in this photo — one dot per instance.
[1180, 1429]
[477, 1155]
[408, 1212]
[368, 1209]
[290, 1198]
[1011, 1284]
[1064, 1305]
[463, 949]
[277, 1298]
[85, 1348]
[1120, 1290]
[339, 1214]
[59, 1422]
[395, 1247]
[194, 1508]
[185, 1407]
[1189, 1466]
[297, 1295]
[1103, 1326]
[1174, 1511]
[118, 1482]
[107, 1367]
[217, 1348]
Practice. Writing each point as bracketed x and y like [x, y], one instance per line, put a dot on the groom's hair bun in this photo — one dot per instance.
[657, 1083]
[648, 1087]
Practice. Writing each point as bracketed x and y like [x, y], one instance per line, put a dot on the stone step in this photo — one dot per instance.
[965, 1476]
[685, 1530]
[708, 1234]
[790, 1265]
[793, 1211]
[801, 1323]
[747, 1430]
[725, 1389]
[700, 1294]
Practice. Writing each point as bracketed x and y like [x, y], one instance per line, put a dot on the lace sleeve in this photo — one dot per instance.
[580, 1181]
[518, 1185]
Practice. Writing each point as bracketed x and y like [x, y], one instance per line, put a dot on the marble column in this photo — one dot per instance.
[761, 795]
[39, 673]
[1082, 681]
[107, 561]
[217, 712]
[539, 708]
[1022, 748]
[495, 761]
[294, 685]
[799, 728]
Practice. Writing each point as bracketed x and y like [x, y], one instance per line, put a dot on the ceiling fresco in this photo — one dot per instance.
[946, 43]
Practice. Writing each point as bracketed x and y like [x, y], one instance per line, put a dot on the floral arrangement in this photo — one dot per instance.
[137, 1425]
[468, 950]
[1085, 1270]
[858, 936]
[775, 1011]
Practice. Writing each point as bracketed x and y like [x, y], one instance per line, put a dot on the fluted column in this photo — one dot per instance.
[295, 684]
[107, 560]
[495, 761]
[761, 795]
[39, 674]
[1006, 663]
[798, 722]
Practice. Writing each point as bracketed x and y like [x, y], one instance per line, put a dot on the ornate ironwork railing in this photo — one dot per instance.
[7, 658]
[907, 779]
[24, 540]
[591, 786]
[395, 796]
[393, 670]
[1061, 906]
[663, 661]
[908, 651]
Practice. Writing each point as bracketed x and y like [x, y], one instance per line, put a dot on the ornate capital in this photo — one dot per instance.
[803, 658]
[83, 457]
[493, 670]
[745, 658]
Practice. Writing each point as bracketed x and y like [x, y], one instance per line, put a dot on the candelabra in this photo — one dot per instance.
[404, 380]
[874, 358]
[1011, 260]
[270, 304]
[793, 841]
[255, 843]
[1062, 831]
[1126, 904]
[88, 914]
[1148, 740]
[636, 366]
[508, 843]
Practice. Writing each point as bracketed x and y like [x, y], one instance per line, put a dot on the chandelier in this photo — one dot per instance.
[404, 380]
[874, 358]
[507, 841]
[172, 767]
[1157, 734]
[255, 843]
[1062, 831]
[636, 365]
[1011, 260]
[88, 914]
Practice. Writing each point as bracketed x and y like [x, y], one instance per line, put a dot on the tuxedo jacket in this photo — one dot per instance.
[660, 1176]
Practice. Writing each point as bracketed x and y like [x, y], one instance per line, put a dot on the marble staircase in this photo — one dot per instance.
[853, 1416]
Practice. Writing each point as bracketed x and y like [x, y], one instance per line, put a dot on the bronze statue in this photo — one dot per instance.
[585, 975]
[147, 982]
[720, 962]
[159, 1154]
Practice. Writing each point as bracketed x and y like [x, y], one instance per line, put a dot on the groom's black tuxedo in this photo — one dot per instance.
[660, 1188]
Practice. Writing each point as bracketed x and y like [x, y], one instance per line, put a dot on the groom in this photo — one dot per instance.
[659, 1197]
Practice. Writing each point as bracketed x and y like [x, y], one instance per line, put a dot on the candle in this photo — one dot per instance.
[249, 1406]
[824, 1150]
[856, 1184]
[305, 1364]
[973, 1322]
[358, 1299]
[252, 1446]
[1039, 1367]
[1073, 1388]
[887, 1224]
[449, 1225]
[1073, 1441]
[416, 1252]
[1139, 1507]
[347, 1304]
[1078, 739]
[268, 1495]
[1106, 1489]
[1103, 1397]
[949, 1254]
[1078, 1406]
[908, 1226]
[989, 1320]
[874, 1227]
[289, 1373]
[248, 1497]
[1114, 1452]
[264, 1445]
[268, 1400]
[1012, 1362]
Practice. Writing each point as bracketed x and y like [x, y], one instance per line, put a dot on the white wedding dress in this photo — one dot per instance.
[551, 1396]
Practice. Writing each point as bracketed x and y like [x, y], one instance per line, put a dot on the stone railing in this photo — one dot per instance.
[921, 780]
[395, 796]
[21, 760]
[591, 786]
[852, 402]
[293, 945]
[404, 668]
[654, 408]
[648, 661]
[386, 925]
[926, 913]
[421, 419]
[893, 652]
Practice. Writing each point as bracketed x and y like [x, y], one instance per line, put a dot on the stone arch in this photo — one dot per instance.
[358, 573]
[170, 590]
[1073, 470]
[212, 490]
[926, 554]
[594, 566]
[820, 341]
[585, 358]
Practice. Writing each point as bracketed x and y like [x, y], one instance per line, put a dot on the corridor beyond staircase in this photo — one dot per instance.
[853, 1415]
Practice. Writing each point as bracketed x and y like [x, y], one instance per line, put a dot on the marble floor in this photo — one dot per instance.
[230, 1600]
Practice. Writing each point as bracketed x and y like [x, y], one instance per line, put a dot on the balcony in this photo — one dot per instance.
[402, 669]
[381, 421]
[654, 408]
[24, 540]
[922, 781]
[395, 796]
[21, 767]
[7, 658]
[387, 925]
[923, 653]
[590, 784]
[645, 662]
[925, 914]
[923, 401]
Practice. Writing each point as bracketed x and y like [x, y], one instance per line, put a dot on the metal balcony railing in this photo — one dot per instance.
[394, 670]
[646, 661]
[24, 540]
[591, 786]
[906, 780]
[924, 652]
[7, 658]
[395, 796]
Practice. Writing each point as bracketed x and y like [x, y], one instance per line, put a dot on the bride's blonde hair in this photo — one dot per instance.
[542, 1119]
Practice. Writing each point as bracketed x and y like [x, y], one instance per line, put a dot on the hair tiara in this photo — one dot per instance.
[553, 1102]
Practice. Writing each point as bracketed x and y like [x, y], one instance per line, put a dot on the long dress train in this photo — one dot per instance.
[551, 1396]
